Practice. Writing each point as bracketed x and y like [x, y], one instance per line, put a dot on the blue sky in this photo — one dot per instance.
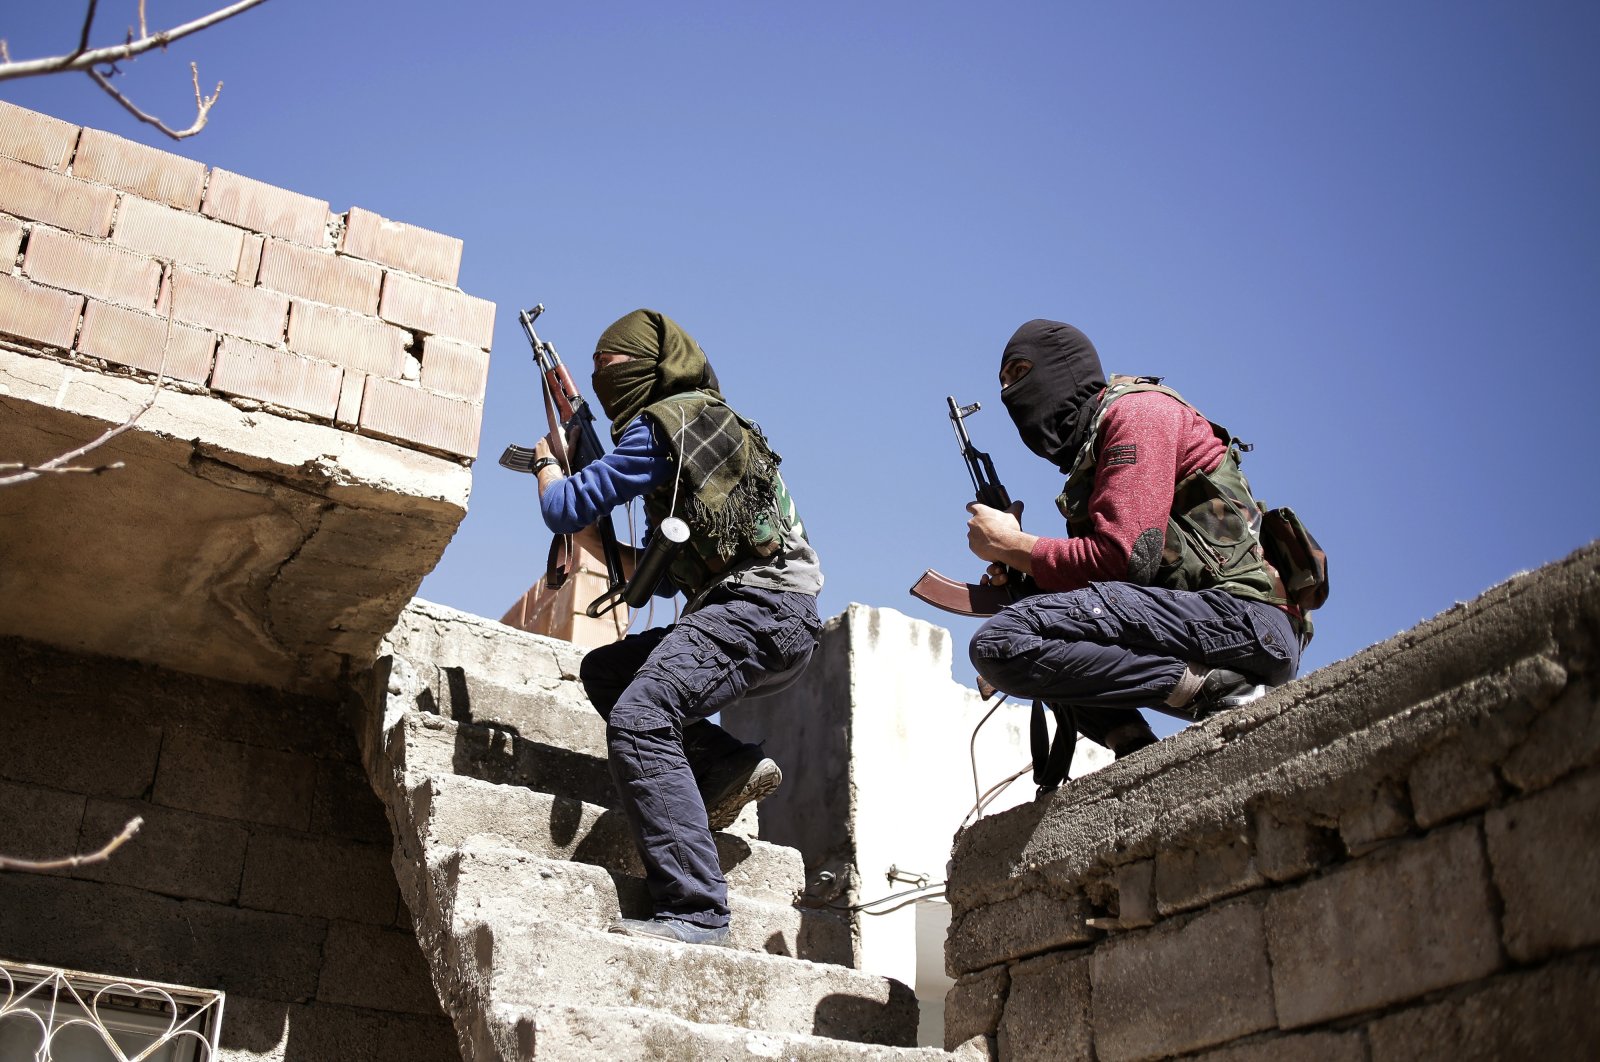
[1364, 236]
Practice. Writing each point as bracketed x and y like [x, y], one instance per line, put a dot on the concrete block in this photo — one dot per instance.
[144, 171]
[249, 268]
[974, 1004]
[394, 243]
[36, 138]
[606, 1034]
[456, 369]
[1547, 1013]
[1047, 1010]
[380, 969]
[451, 811]
[551, 963]
[93, 268]
[175, 853]
[348, 339]
[1014, 928]
[321, 276]
[1381, 814]
[262, 207]
[412, 415]
[1448, 784]
[232, 309]
[235, 781]
[1287, 847]
[1182, 985]
[1304, 1047]
[41, 314]
[1213, 868]
[10, 242]
[86, 925]
[270, 1031]
[434, 310]
[513, 890]
[66, 202]
[38, 823]
[321, 877]
[45, 746]
[1383, 929]
[348, 412]
[188, 239]
[499, 754]
[1545, 851]
[345, 806]
[278, 377]
[136, 339]
[1562, 739]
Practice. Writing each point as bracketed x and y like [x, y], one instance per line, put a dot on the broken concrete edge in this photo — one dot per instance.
[1207, 779]
[352, 469]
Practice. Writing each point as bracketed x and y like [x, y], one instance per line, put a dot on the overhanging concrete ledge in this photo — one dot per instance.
[235, 543]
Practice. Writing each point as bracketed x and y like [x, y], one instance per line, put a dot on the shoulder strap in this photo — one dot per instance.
[1051, 759]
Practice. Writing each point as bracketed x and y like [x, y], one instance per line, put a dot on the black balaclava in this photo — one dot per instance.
[1053, 404]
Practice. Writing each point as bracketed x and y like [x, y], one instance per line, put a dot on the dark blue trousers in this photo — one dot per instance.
[654, 690]
[1112, 648]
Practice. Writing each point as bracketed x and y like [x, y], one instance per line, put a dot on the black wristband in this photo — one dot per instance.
[543, 463]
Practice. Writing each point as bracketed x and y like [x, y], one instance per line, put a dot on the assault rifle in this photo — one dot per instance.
[576, 445]
[972, 599]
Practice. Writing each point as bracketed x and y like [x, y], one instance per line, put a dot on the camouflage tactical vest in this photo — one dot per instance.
[699, 564]
[1213, 531]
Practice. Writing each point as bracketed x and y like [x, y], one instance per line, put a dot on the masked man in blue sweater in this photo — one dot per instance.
[751, 579]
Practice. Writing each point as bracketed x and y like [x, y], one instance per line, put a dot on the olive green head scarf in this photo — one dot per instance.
[666, 361]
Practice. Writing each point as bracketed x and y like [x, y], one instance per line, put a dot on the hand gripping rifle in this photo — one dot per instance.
[971, 599]
[576, 445]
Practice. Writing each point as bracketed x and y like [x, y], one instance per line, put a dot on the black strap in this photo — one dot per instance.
[1051, 759]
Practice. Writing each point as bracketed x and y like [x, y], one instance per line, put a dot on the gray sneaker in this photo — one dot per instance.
[665, 928]
[732, 782]
[1224, 689]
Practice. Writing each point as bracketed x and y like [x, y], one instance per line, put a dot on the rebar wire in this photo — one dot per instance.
[972, 746]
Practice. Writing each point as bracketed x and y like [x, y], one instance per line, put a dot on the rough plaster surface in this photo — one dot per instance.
[235, 544]
[1389, 858]
[490, 763]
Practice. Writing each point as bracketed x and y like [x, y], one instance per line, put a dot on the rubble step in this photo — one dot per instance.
[632, 1034]
[430, 744]
[513, 889]
[448, 811]
[551, 963]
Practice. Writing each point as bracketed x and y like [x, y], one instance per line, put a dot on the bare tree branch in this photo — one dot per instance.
[7, 863]
[59, 463]
[85, 58]
[83, 37]
[202, 104]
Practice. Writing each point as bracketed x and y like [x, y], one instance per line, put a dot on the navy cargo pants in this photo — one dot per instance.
[654, 690]
[1112, 648]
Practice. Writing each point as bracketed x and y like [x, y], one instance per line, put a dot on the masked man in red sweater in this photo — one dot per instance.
[1162, 596]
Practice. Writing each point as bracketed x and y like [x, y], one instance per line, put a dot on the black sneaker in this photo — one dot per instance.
[1221, 690]
[735, 780]
[664, 928]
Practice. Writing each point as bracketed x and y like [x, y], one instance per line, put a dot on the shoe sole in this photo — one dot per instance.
[762, 781]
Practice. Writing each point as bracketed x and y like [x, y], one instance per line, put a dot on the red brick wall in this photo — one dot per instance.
[349, 319]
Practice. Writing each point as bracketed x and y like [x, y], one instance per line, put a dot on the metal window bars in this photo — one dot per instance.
[54, 1015]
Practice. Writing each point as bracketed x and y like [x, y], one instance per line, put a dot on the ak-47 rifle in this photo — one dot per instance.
[972, 599]
[576, 444]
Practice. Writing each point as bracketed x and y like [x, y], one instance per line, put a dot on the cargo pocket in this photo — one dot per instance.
[692, 666]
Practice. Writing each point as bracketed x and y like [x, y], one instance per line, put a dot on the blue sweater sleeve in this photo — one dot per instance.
[636, 466]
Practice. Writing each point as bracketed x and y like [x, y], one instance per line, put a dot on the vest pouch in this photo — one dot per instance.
[1214, 535]
[1301, 562]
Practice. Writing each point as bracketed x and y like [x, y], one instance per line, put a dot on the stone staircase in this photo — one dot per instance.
[491, 764]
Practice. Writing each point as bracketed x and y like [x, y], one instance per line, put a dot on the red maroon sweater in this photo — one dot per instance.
[1166, 441]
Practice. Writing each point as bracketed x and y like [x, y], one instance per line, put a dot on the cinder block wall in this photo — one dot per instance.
[346, 319]
[262, 868]
[1394, 858]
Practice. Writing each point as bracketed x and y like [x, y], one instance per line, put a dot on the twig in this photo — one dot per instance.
[83, 36]
[59, 462]
[202, 103]
[7, 863]
[87, 59]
